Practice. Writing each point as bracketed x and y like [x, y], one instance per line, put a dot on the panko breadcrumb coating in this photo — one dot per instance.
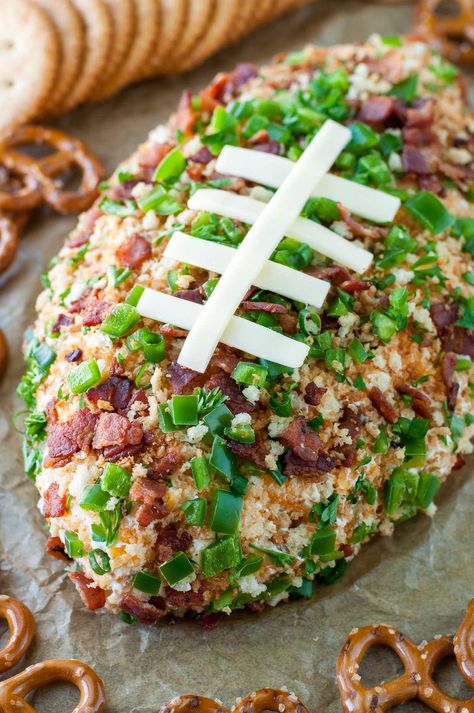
[264, 481]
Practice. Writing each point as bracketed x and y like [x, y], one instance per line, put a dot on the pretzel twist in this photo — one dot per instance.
[265, 699]
[13, 690]
[37, 184]
[452, 36]
[419, 663]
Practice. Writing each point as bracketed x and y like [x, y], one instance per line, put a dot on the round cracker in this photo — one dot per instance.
[98, 25]
[144, 43]
[218, 34]
[72, 43]
[124, 21]
[172, 18]
[29, 61]
[197, 20]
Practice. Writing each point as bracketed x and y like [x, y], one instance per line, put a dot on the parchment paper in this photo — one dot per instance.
[420, 580]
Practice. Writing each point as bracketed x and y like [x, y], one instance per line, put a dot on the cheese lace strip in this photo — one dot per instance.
[259, 243]
[240, 333]
[271, 170]
[323, 240]
[274, 277]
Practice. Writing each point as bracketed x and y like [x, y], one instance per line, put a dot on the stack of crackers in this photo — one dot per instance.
[57, 54]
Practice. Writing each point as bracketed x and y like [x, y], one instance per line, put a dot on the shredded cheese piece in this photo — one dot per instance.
[263, 237]
[324, 241]
[274, 277]
[271, 170]
[239, 333]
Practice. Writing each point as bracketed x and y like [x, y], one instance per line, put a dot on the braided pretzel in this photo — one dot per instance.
[265, 699]
[37, 175]
[3, 360]
[14, 689]
[419, 663]
[452, 36]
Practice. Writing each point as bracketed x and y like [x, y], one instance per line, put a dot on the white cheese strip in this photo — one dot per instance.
[259, 243]
[274, 277]
[239, 333]
[271, 170]
[322, 239]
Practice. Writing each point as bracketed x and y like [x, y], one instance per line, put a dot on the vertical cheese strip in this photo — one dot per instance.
[271, 170]
[259, 243]
[239, 333]
[274, 277]
[322, 239]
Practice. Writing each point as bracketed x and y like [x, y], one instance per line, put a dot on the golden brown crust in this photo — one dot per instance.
[452, 36]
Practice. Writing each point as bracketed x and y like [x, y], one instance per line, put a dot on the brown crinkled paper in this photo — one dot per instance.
[419, 581]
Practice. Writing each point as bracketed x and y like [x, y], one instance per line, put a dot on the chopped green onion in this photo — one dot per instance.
[463, 363]
[280, 403]
[250, 373]
[177, 568]
[223, 460]
[84, 376]
[427, 488]
[184, 410]
[147, 582]
[43, 355]
[430, 212]
[363, 138]
[220, 555]
[281, 559]
[116, 480]
[160, 201]
[241, 432]
[99, 561]
[249, 565]
[226, 509]
[95, 498]
[73, 545]
[121, 320]
[382, 442]
[357, 351]
[165, 420]
[400, 489]
[218, 419]
[309, 321]
[406, 89]
[194, 511]
[120, 208]
[171, 166]
[153, 344]
[200, 471]
[134, 295]
[384, 326]
[322, 542]
[116, 275]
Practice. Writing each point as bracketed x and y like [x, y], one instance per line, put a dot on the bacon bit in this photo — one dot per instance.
[420, 113]
[168, 542]
[239, 76]
[259, 137]
[313, 394]
[145, 612]
[324, 463]
[185, 117]
[124, 191]
[254, 452]
[452, 387]
[54, 504]
[271, 146]
[456, 173]
[51, 411]
[420, 402]
[190, 295]
[146, 514]
[115, 430]
[459, 463]
[336, 274]
[304, 442]
[74, 355]
[257, 606]
[62, 321]
[376, 109]
[289, 323]
[167, 330]
[431, 183]
[195, 172]
[65, 439]
[166, 465]
[91, 595]
[236, 402]
[85, 229]
[153, 155]
[444, 314]
[351, 422]
[224, 361]
[94, 312]
[140, 396]
[182, 380]
[353, 286]
[182, 600]
[203, 156]
[148, 491]
[270, 307]
[80, 304]
[55, 548]
[389, 66]
[347, 549]
[383, 405]
[360, 229]
[133, 252]
[453, 338]
[116, 391]
[414, 161]
[209, 620]
[419, 136]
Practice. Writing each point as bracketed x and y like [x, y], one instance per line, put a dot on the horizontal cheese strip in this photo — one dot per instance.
[240, 333]
[271, 170]
[274, 277]
[322, 239]
[259, 243]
